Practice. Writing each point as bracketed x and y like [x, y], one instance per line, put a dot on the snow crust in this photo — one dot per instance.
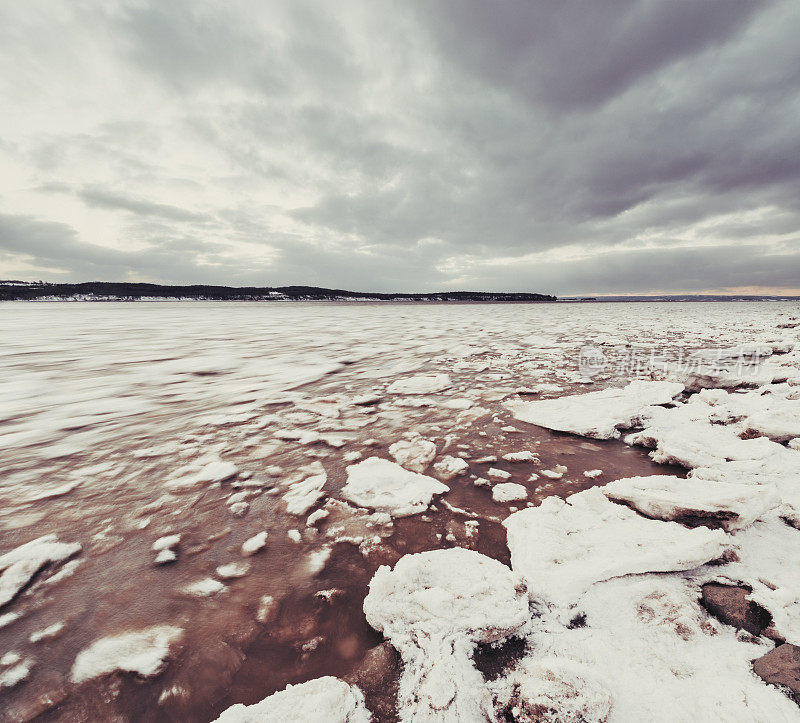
[385, 486]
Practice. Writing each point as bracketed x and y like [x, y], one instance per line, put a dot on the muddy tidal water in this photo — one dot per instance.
[110, 413]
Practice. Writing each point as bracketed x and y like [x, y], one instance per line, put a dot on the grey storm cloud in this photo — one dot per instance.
[572, 147]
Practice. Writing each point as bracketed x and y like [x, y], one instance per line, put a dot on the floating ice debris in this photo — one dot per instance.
[420, 384]
[385, 486]
[414, 454]
[563, 547]
[16, 674]
[18, 566]
[488, 459]
[592, 473]
[525, 456]
[316, 516]
[597, 414]
[449, 467]
[500, 474]
[215, 471]
[254, 544]
[303, 436]
[551, 474]
[10, 658]
[303, 495]
[165, 557]
[322, 700]
[143, 652]
[508, 492]
[165, 543]
[8, 618]
[316, 561]
[51, 631]
[267, 609]
[295, 536]
[204, 587]
[731, 505]
[233, 570]
[434, 607]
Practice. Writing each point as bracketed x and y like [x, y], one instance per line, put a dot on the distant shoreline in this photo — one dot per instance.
[105, 291]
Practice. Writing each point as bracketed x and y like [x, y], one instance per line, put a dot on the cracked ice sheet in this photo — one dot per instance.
[649, 647]
[733, 505]
[562, 548]
[597, 414]
[434, 607]
[322, 700]
[385, 486]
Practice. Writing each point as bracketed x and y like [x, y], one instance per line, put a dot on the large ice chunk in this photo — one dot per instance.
[434, 607]
[597, 414]
[322, 700]
[731, 505]
[143, 652]
[386, 487]
[561, 548]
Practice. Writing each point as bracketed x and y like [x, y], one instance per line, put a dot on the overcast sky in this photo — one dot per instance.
[561, 146]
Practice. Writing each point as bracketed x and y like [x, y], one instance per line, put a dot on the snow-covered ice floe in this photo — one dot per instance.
[18, 566]
[322, 700]
[597, 414]
[732, 505]
[561, 548]
[435, 607]
[385, 486]
[420, 384]
[143, 652]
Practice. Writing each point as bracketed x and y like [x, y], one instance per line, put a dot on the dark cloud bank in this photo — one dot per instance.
[624, 146]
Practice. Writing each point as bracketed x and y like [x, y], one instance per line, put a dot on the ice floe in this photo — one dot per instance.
[509, 492]
[420, 384]
[18, 566]
[434, 607]
[303, 495]
[731, 505]
[597, 414]
[143, 652]
[322, 700]
[561, 548]
[414, 454]
[385, 486]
